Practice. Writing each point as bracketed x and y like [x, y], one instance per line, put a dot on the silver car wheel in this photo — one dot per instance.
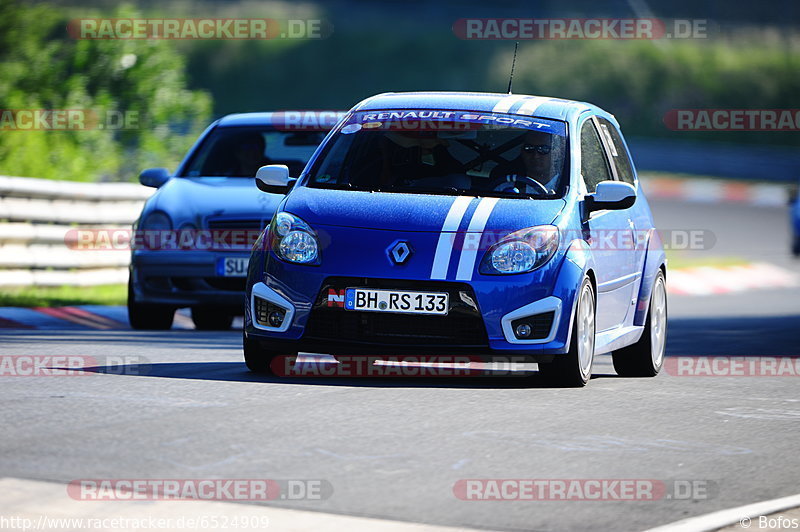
[658, 321]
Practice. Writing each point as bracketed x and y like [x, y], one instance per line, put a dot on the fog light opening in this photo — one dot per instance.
[269, 314]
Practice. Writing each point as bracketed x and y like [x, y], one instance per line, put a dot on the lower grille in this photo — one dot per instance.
[462, 326]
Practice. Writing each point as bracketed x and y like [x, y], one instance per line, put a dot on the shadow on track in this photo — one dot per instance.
[237, 372]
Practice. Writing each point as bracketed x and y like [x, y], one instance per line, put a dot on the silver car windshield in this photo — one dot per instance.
[241, 151]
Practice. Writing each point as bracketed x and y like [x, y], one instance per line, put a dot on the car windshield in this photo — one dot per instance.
[241, 151]
[446, 152]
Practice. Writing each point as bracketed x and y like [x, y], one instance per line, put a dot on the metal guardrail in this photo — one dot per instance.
[36, 216]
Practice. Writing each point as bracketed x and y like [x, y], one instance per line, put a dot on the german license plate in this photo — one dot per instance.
[232, 266]
[401, 301]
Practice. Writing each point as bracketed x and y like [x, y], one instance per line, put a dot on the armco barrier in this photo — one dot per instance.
[35, 216]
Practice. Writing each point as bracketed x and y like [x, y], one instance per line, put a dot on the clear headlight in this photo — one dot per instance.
[293, 239]
[156, 221]
[522, 251]
[153, 231]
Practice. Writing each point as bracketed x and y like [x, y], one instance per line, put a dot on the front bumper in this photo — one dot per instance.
[482, 313]
[186, 278]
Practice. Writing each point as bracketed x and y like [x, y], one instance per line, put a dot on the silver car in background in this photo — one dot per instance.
[193, 237]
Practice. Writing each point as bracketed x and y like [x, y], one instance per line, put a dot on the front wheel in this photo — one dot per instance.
[646, 357]
[574, 368]
[796, 246]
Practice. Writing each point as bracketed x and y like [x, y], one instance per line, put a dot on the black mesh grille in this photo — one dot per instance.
[227, 224]
[462, 326]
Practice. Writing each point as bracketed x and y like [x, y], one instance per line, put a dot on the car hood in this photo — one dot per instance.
[414, 212]
[196, 198]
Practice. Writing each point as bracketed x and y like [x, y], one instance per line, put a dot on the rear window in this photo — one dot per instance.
[446, 152]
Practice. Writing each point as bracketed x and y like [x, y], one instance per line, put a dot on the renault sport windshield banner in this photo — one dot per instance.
[431, 120]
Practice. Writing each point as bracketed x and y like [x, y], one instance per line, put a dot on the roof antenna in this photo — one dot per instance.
[513, 62]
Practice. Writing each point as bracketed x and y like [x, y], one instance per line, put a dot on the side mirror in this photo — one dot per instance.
[154, 177]
[611, 195]
[274, 178]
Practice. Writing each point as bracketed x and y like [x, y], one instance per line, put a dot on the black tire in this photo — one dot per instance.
[210, 319]
[569, 369]
[257, 359]
[796, 246]
[146, 316]
[645, 358]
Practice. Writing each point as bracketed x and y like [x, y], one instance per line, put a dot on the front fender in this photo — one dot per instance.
[578, 261]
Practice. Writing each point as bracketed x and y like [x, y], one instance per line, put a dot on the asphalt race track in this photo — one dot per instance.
[181, 404]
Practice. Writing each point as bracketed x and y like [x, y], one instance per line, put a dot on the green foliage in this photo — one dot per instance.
[59, 296]
[42, 67]
[640, 81]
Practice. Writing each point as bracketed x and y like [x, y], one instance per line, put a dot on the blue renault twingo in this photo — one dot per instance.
[493, 225]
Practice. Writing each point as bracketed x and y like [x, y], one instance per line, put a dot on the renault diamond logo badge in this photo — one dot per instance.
[400, 251]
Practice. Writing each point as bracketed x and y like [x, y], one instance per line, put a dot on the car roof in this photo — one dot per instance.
[522, 104]
[246, 119]
[279, 118]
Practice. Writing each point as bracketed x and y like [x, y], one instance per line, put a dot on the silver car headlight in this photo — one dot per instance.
[522, 251]
[156, 221]
[293, 239]
[154, 231]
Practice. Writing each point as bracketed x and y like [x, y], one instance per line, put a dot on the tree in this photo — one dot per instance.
[139, 112]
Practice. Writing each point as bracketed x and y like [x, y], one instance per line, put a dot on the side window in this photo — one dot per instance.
[622, 159]
[594, 167]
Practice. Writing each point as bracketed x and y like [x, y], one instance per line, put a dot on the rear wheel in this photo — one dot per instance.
[575, 367]
[646, 357]
[209, 319]
[146, 316]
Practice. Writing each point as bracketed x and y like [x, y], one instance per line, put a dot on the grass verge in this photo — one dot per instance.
[60, 296]
[677, 260]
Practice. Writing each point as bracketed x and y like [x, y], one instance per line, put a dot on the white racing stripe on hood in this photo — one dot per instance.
[472, 240]
[444, 248]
